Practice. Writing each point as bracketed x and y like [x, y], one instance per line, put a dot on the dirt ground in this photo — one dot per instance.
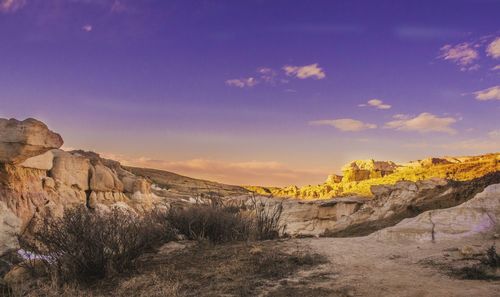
[365, 267]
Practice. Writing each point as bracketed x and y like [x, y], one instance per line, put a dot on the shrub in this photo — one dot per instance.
[217, 223]
[85, 244]
[277, 264]
[492, 259]
[267, 219]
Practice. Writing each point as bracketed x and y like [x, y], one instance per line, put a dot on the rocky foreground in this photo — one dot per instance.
[411, 223]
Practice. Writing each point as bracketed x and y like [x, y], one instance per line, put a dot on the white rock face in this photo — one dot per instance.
[21, 140]
[71, 170]
[479, 215]
[42, 162]
[9, 227]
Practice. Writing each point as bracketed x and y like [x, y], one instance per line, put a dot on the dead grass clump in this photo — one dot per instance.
[85, 245]
[215, 223]
[276, 264]
[484, 270]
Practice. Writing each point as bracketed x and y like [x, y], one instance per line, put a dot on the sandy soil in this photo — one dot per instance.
[365, 267]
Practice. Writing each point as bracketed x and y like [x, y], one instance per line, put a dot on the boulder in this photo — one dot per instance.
[333, 179]
[43, 162]
[21, 140]
[72, 170]
[10, 226]
[103, 179]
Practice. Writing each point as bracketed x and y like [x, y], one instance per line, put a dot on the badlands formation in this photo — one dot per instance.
[399, 218]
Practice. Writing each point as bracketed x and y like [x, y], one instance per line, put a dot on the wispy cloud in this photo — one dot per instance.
[463, 54]
[87, 28]
[251, 172]
[242, 82]
[346, 125]
[9, 6]
[492, 93]
[497, 67]
[417, 33]
[304, 72]
[423, 123]
[377, 103]
[493, 49]
[495, 134]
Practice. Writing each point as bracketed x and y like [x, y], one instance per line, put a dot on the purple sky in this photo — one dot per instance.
[256, 92]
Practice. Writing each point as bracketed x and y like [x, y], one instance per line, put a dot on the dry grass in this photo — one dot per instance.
[85, 245]
[234, 269]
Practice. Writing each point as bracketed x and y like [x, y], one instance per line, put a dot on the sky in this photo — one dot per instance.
[258, 92]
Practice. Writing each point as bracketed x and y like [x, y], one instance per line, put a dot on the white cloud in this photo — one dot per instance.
[378, 104]
[87, 28]
[423, 123]
[304, 72]
[492, 93]
[497, 67]
[11, 5]
[350, 125]
[267, 75]
[493, 49]
[463, 54]
[242, 82]
[495, 134]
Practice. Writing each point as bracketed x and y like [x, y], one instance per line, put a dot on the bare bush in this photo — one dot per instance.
[216, 222]
[84, 245]
[268, 223]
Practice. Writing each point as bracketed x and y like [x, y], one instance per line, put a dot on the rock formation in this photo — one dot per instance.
[366, 169]
[20, 140]
[357, 216]
[359, 176]
[37, 179]
[481, 214]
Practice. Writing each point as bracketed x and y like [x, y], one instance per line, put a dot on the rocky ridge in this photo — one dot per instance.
[359, 176]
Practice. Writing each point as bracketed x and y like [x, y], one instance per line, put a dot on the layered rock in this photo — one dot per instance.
[480, 215]
[360, 176]
[20, 140]
[366, 169]
[38, 180]
[357, 216]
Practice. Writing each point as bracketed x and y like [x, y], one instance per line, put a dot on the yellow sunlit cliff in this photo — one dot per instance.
[358, 176]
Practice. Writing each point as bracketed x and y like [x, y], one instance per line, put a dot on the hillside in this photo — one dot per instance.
[359, 176]
[174, 184]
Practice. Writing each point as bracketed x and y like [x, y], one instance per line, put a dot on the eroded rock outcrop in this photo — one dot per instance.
[38, 180]
[20, 140]
[366, 169]
[479, 215]
[357, 216]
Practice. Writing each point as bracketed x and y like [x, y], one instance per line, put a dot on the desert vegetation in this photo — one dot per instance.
[118, 253]
[482, 268]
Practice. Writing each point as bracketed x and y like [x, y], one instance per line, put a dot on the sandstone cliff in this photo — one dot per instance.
[359, 176]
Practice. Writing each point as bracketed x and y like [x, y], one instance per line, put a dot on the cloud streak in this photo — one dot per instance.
[345, 125]
[423, 123]
[376, 103]
[463, 54]
[10, 6]
[251, 172]
[305, 72]
[242, 82]
[492, 93]
[493, 49]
